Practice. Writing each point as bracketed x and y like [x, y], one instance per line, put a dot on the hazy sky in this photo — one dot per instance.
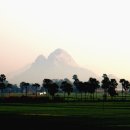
[96, 33]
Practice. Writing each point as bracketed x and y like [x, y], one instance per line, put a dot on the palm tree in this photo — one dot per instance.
[113, 85]
[2, 78]
[46, 84]
[78, 84]
[81, 88]
[86, 88]
[9, 86]
[26, 88]
[2, 82]
[36, 85]
[76, 81]
[24, 85]
[2, 87]
[125, 86]
[66, 87]
[51, 87]
[105, 85]
[93, 85]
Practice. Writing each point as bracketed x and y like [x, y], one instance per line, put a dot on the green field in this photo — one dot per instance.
[67, 115]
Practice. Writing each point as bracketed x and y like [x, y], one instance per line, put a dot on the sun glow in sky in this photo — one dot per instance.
[96, 33]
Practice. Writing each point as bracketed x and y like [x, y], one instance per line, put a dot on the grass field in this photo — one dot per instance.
[66, 115]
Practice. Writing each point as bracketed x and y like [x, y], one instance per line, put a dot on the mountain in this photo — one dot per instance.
[11, 75]
[61, 57]
[58, 65]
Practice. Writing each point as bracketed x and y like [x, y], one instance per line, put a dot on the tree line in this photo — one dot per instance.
[52, 87]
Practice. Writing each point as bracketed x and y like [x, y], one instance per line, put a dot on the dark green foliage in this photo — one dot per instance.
[36, 85]
[111, 90]
[51, 87]
[2, 84]
[66, 87]
[93, 85]
[105, 82]
[24, 86]
[125, 84]
[2, 78]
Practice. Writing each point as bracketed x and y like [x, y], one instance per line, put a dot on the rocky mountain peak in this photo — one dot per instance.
[62, 57]
[40, 58]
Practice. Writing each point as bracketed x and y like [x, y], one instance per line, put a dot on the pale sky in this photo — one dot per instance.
[96, 33]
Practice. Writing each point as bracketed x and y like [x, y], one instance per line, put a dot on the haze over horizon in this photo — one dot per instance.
[95, 33]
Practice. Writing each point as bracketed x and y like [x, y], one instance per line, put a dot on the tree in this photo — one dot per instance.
[24, 85]
[51, 87]
[66, 87]
[2, 87]
[125, 86]
[2, 78]
[2, 82]
[46, 84]
[93, 85]
[86, 88]
[78, 84]
[112, 88]
[105, 85]
[36, 85]
[9, 86]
